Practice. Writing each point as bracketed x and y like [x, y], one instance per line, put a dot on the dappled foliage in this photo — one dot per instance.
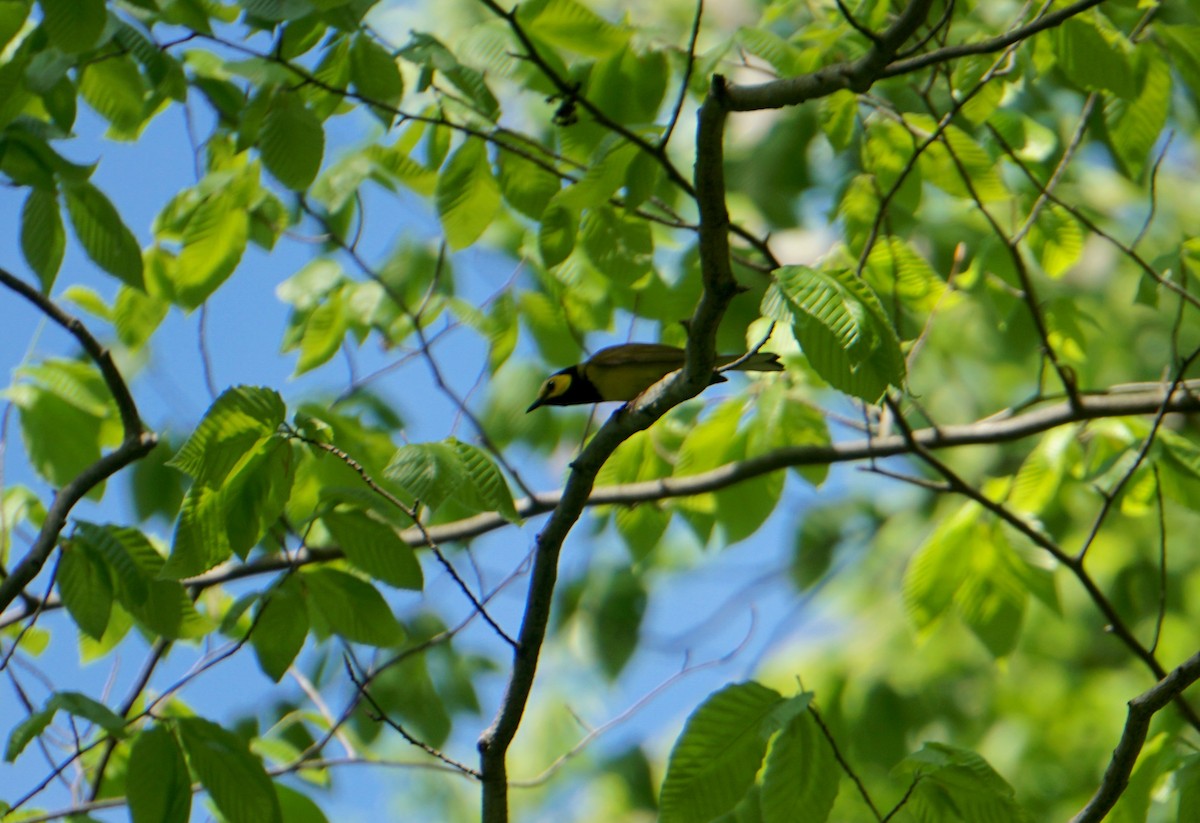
[956, 525]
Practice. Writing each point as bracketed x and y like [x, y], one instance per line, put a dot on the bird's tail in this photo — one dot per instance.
[759, 361]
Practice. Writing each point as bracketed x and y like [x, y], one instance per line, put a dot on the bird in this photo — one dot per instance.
[625, 371]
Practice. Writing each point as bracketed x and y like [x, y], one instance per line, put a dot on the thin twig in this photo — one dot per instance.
[687, 78]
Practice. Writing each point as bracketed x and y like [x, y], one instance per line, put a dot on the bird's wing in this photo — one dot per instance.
[641, 354]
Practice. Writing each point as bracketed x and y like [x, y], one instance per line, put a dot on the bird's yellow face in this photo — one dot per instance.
[555, 386]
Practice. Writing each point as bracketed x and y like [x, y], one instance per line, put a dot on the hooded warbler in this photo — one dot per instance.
[623, 372]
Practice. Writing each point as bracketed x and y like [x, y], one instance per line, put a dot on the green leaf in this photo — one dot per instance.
[115, 89]
[156, 488]
[704, 448]
[201, 540]
[468, 196]
[968, 73]
[25, 732]
[85, 588]
[887, 155]
[12, 20]
[839, 112]
[280, 628]
[157, 781]
[407, 690]
[136, 315]
[104, 236]
[297, 807]
[160, 606]
[547, 322]
[353, 608]
[945, 163]
[556, 236]
[73, 703]
[1156, 759]
[716, 757]
[1132, 126]
[742, 508]
[301, 35]
[375, 548]
[324, 333]
[641, 526]
[168, 612]
[233, 777]
[427, 51]
[619, 246]
[602, 179]
[397, 165]
[1036, 486]
[43, 240]
[375, 76]
[800, 780]
[486, 489]
[128, 554]
[572, 26]
[957, 784]
[896, 271]
[89, 300]
[1095, 56]
[431, 472]
[61, 438]
[233, 424]
[73, 25]
[46, 70]
[1057, 240]
[783, 418]
[994, 595]
[526, 186]
[617, 621]
[276, 10]
[841, 326]
[629, 86]
[1187, 780]
[968, 562]
[784, 57]
[436, 472]
[939, 566]
[292, 142]
[499, 327]
[214, 239]
[642, 177]
[1179, 42]
[119, 625]
[256, 491]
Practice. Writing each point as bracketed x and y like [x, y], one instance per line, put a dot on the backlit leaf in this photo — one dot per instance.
[103, 234]
[468, 196]
[232, 776]
[718, 753]
[292, 141]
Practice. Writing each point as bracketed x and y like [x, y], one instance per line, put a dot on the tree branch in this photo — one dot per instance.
[137, 444]
[990, 431]
[719, 288]
[1137, 723]
[933, 58]
[858, 75]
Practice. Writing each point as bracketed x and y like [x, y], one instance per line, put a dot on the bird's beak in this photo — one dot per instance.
[540, 401]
